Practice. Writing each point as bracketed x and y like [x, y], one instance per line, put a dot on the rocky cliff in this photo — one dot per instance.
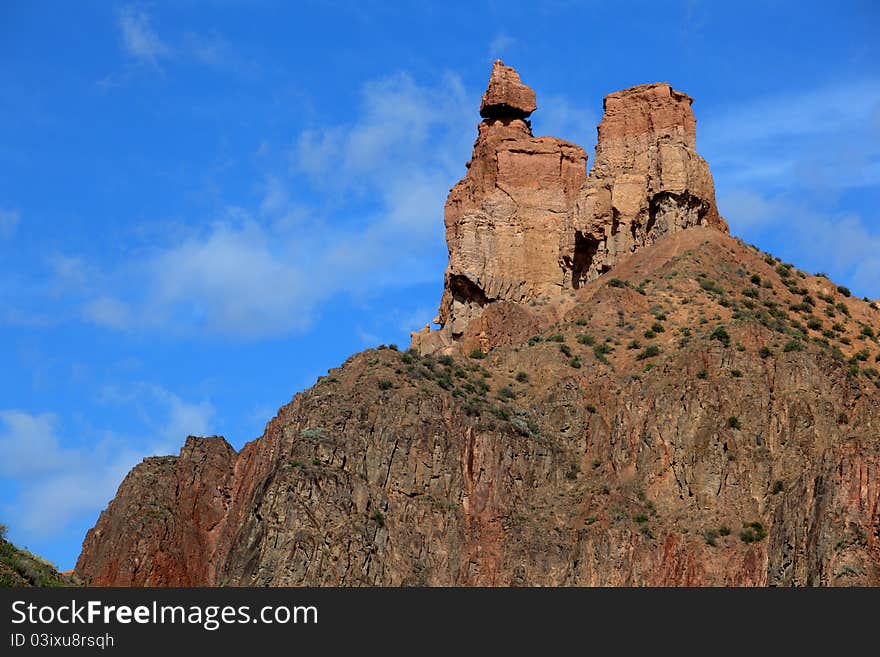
[620, 394]
[526, 223]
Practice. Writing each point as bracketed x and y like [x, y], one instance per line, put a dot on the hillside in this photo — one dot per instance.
[21, 568]
[619, 393]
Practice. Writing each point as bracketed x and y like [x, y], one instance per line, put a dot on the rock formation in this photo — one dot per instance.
[647, 181]
[706, 415]
[526, 223]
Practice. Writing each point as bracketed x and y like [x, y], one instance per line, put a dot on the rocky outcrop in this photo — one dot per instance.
[696, 419]
[163, 526]
[506, 96]
[647, 181]
[722, 457]
[526, 223]
[503, 218]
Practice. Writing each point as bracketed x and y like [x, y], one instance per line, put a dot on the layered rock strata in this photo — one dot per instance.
[527, 223]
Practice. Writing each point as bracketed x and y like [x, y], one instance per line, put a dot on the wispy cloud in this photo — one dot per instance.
[58, 483]
[265, 270]
[850, 248]
[501, 45]
[826, 138]
[784, 166]
[139, 38]
[9, 220]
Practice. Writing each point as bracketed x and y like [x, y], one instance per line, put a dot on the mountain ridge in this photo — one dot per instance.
[685, 410]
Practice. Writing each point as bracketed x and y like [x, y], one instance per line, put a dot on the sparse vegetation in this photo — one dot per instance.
[385, 384]
[733, 422]
[587, 339]
[792, 345]
[720, 334]
[477, 354]
[649, 352]
[378, 517]
[522, 377]
[752, 532]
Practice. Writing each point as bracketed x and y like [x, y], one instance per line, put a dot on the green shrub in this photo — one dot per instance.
[591, 409]
[556, 337]
[724, 530]
[565, 349]
[640, 518]
[649, 352]
[752, 532]
[507, 393]
[764, 352]
[736, 374]
[792, 345]
[580, 321]
[616, 282]
[649, 334]
[4, 530]
[657, 327]
[378, 517]
[720, 333]
[575, 363]
[844, 290]
[522, 377]
[477, 354]
[733, 422]
[587, 339]
[755, 279]
[702, 374]
[385, 384]
[446, 360]
[634, 345]
[777, 487]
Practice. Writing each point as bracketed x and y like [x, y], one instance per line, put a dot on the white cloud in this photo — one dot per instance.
[58, 486]
[139, 39]
[820, 140]
[840, 244]
[107, 311]
[501, 45]
[8, 222]
[265, 271]
[28, 444]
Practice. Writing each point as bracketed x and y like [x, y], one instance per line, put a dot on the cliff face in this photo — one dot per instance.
[702, 415]
[526, 223]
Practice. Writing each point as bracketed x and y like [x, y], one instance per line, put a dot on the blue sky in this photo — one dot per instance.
[206, 205]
